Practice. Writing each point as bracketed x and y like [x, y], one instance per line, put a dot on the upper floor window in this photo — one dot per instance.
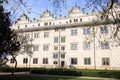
[25, 60]
[38, 24]
[35, 60]
[36, 35]
[87, 61]
[27, 48]
[86, 31]
[25, 26]
[55, 39]
[49, 23]
[73, 32]
[75, 20]
[73, 60]
[62, 48]
[46, 24]
[105, 45]
[62, 39]
[63, 29]
[45, 60]
[105, 61]
[46, 34]
[55, 55]
[70, 21]
[55, 47]
[35, 48]
[46, 48]
[62, 55]
[56, 30]
[27, 36]
[103, 29]
[86, 45]
[74, 46]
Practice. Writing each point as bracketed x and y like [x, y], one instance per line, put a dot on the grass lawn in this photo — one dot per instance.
[28, 77]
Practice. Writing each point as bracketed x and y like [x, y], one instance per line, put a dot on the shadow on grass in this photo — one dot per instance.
[29, 77]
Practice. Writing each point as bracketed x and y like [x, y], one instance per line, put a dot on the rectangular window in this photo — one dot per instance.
[86, 31]
[73, 32]
[80, 19]
[73, 60]
[25, 60]
[12, 60]
[63, 29]
[46, 34]
[36, 35]
[62, 48]
[27, 48]
[70, 21]
[75, 20]
[55, 62]
[86, 45]
[62, 39]
[45, 60]
[46, 48]
[35, 48]
[103, 30]
[55, 39]
[74, 46]
[46, 24]
[105, 61]
[55, 55]
[35, 60]
[27, 36]
[56, 30]
[87, 61]
[62, 55]
[55, 47]
[104, 45]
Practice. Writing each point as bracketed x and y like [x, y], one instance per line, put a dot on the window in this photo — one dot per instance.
[86, 31]
[80, 19]
[63, 29]
[106, 17]
[46, 34]
[56, 30]
[103, 30]
[35, 48]
[55, 39]
[55, 55]
[18, 27]
[73, 32]
[27, 36]
[25, 60]
[35, 60]
[74, 46]
[49, 23]
[36, 35]
[62, 48]
[70, 21]
[12, 60]
[45, 60]
[86, 45]
[55, 47]
[38, 24]
[45, 48]
[105, 45]
[25, 26]
[27, 48]
[87, 61]
[45, 24]
[62, 55]
[73, 60]
[75, 20]
[55, 62]
[62, 39]
[105, 61]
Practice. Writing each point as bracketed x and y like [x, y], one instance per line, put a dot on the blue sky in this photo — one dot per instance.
[39, 6]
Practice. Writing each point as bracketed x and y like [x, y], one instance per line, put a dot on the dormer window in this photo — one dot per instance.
[46, 24]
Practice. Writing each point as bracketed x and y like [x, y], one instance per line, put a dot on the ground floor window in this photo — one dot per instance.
[45, 60]
[87, 61]
[35, 60]
[73, 60]
[25, 60]
[105, 61]
[55, 62]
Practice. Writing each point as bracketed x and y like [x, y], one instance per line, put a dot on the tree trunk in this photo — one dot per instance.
[14, 58]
